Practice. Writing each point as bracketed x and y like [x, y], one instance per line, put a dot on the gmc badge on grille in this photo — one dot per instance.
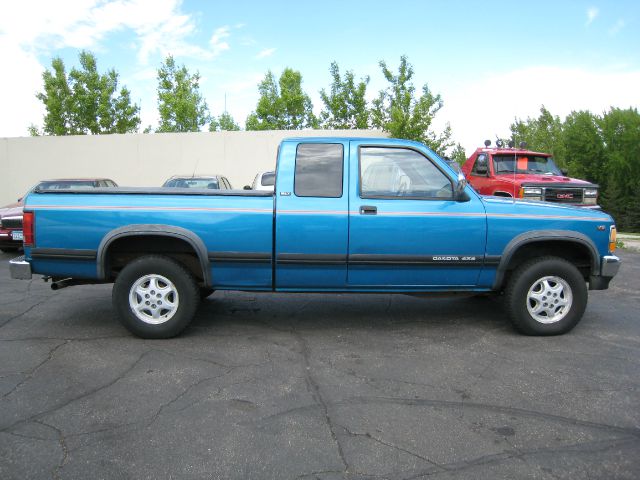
[565, 195]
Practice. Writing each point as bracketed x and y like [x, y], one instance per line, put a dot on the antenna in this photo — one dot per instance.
[225, 102]
[512, 144]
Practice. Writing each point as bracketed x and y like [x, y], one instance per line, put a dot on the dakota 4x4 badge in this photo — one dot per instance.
[452, 258]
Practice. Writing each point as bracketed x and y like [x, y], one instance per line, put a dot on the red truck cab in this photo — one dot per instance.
[521, 173]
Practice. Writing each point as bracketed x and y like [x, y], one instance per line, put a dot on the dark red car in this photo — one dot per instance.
[11, 215]
[521, 173]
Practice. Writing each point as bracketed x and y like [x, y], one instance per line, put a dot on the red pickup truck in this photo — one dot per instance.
[521, 173]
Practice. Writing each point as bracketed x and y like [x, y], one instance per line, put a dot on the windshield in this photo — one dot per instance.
[532, 164]
[192, 183]
[268, 179]
[64, 185]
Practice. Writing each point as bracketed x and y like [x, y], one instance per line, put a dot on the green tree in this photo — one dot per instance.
[224, 122]
[345, 106]
[180, 105]
[458, 154]
[399, 112]
[85, 101]
[543, 134]
[283, 105]
[584, 147]
[621, 136]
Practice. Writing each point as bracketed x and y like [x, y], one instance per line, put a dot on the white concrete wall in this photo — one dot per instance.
[143, 160]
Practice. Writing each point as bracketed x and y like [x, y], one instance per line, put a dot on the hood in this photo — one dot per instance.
[522, 178]
[536, 207]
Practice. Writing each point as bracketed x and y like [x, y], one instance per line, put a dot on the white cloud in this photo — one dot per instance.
[39, 27]
[267, 52]
[18, 90]
[592, 14]
[487, 106]
[218, 45]
[619, 25]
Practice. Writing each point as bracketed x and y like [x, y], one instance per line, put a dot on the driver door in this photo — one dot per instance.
[406, 231]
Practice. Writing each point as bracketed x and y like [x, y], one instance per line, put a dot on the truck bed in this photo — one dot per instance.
[233, 227]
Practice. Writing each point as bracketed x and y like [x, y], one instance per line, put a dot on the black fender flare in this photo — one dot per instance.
[543, 235]
[156, 230]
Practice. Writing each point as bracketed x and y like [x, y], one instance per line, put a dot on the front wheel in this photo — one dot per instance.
[546, 296]
[155, 297]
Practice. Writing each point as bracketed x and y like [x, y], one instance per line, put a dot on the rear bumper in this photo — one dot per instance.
[609, 266]
[7, 241]
[20, 269]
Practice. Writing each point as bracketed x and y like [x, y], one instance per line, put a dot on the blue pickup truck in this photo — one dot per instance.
[347, 215]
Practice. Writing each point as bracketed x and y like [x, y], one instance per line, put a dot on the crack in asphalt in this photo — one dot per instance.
[387, 444]
[316, 394]
[62, 442]
[596, 446]
[502, 409]
[30, 373]
[10, 319]
[67, 402]
[312, 385]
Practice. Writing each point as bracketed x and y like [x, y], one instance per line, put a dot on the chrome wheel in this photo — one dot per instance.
[549, 299]
[154, 299]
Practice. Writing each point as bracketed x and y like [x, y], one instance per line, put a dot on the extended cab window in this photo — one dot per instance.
[319, 170]
[399, 172]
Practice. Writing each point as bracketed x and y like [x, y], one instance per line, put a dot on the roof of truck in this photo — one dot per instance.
[510, 151]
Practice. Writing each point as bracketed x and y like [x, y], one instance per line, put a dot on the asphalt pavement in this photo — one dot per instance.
[286, 386]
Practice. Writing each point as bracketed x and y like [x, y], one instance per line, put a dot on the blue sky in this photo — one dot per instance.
[490, 61]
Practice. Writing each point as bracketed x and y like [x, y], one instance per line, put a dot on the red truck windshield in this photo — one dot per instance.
[531, 164]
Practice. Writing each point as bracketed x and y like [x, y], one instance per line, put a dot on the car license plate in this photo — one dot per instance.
[17, 235]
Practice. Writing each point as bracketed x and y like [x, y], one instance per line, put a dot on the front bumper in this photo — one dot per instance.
[609, 266]
[20, 269]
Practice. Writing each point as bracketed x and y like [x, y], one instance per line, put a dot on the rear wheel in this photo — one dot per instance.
[546, 296]
[155, 297]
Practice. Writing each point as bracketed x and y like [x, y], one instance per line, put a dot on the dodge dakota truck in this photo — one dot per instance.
[347, 215]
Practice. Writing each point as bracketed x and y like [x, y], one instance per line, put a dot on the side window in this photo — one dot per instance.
[319, 170]
[401, 173]
[480, 167]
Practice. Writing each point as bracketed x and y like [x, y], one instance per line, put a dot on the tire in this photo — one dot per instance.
[165, 293]
[205, 292]
[546, 296]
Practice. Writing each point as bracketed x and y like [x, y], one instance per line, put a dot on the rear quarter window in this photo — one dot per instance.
[318, 171]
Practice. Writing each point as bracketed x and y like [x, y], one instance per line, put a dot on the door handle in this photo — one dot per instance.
[368, 210]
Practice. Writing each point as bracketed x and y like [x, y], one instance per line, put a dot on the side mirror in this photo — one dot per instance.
[481, 166]
[20, 199]
[564, 171]
[246, 187]
[459, 194]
